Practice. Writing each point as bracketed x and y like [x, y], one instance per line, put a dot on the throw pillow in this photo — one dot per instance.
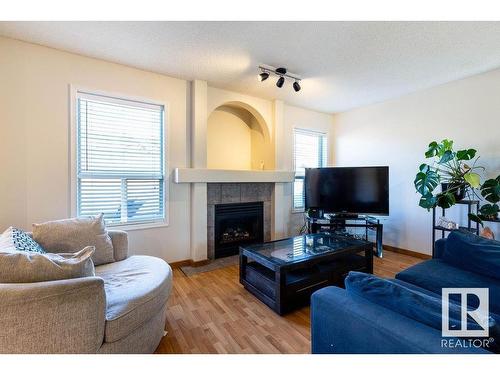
[14, 239]
[70, 235]
[29, 267]
[473, 253]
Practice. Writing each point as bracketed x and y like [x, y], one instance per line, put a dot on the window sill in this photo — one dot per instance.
[298, 210]
[138, 226]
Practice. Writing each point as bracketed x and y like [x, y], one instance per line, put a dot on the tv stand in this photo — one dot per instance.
[342, 216]
[338, 223]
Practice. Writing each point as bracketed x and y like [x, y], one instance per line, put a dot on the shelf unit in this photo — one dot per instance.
[492, 220]
[471, 205]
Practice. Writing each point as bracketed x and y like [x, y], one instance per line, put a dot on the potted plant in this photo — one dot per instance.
[448, 168]
[490, 191]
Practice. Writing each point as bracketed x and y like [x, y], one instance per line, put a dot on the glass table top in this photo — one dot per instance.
[304, 247]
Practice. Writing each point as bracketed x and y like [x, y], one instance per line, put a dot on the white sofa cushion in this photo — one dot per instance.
[31, 267]
[136, 288]
[70, 235]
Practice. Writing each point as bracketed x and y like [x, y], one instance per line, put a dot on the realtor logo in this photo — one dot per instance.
[479, 315]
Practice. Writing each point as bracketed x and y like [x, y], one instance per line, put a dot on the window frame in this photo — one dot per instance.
[326, 158]
[73, 145]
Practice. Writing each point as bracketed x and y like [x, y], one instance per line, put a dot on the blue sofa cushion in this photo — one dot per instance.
[473, 253]
[343, 323]
[416, 288]
[403, 299]
[439, 247]
[435, 274]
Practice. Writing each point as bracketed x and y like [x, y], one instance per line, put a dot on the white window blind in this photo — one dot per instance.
[120, 159]
[310, 151]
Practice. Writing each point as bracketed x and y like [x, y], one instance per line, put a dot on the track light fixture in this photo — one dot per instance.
[263, 76]
[282, 73]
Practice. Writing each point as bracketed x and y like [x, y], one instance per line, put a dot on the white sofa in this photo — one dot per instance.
[120, 310]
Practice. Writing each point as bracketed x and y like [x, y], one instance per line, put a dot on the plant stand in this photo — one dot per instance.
[470, 205]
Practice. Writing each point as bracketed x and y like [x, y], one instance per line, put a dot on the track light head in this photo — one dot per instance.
[280, 82]
[263, 76]
[296, 86]
[281, 71]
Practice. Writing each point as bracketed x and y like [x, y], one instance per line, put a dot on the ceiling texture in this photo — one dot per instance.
[344, 65]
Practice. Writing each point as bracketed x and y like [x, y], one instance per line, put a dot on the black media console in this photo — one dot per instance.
[339, 223]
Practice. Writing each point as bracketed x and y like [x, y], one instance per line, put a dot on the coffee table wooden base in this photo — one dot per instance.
[286, 288]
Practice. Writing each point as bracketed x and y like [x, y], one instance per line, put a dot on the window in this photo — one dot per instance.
[309, 151]
[120, 159]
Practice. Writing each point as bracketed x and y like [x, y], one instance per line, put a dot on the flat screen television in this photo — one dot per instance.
[353, 190]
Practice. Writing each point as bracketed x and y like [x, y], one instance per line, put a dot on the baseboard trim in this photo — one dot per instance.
[189, 262]
[412, 253]
[180, 263]
[394, 249]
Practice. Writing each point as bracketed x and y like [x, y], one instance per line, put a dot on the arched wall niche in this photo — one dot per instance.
[238, 138]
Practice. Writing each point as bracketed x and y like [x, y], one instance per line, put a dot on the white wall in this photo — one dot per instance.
[397, 132]
[295, 117]
[34, 137]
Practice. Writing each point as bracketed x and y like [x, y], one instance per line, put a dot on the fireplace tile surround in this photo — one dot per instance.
[219, 193]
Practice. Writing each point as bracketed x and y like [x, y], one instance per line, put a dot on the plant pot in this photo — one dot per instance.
[458, 191]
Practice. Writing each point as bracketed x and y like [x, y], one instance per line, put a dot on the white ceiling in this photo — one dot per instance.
[343, 64]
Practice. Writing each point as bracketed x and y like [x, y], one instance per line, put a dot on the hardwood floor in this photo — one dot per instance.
[212, 313]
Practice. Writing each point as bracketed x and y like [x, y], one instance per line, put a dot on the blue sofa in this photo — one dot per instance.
[346, 322]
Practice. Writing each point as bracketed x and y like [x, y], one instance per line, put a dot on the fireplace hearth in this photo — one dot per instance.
[237, 224]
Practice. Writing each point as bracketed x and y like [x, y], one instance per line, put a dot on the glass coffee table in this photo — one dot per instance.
[283, 274]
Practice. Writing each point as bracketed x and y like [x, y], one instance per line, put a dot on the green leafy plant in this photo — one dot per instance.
[450, 169]
[490, 191]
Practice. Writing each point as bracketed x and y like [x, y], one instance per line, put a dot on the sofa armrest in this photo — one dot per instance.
[439, 247]
[119, 238]
[62, 316]
[347, 324]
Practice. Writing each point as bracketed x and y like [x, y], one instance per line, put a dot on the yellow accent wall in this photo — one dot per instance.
[236, 140]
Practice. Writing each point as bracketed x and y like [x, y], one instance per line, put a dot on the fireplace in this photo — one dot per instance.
[237, 224]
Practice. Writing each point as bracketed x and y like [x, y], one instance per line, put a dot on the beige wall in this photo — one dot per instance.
[397, 132]
[229, 141]
[34, 137]
[237, 140]
[260, 108]
[259, 118]
[262, 147]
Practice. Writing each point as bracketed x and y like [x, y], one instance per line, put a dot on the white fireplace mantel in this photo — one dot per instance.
[196, 175]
